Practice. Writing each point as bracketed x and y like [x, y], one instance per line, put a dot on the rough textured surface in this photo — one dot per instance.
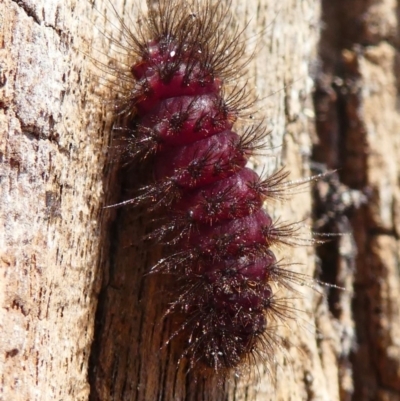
[52, 154]
[358, 120]
[58, 250]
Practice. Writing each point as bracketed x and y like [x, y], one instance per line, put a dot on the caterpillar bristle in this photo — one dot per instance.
[186, 111]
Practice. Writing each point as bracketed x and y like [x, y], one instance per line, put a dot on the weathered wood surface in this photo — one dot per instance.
[359, 131]
[63, 257]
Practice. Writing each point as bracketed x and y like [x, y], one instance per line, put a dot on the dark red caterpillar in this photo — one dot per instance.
[180, 113]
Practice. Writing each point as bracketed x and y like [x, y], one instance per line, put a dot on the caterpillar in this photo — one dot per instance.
[186, 114]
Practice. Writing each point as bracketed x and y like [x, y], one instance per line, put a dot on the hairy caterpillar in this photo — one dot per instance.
[181, 114]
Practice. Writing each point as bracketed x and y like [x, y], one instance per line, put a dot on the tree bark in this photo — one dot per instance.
[358, 118]
[80, 320]
[53, 155]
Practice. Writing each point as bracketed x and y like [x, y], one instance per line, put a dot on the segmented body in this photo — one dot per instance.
[211, 219]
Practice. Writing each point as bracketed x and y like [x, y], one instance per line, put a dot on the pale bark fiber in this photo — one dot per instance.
[78, 319]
